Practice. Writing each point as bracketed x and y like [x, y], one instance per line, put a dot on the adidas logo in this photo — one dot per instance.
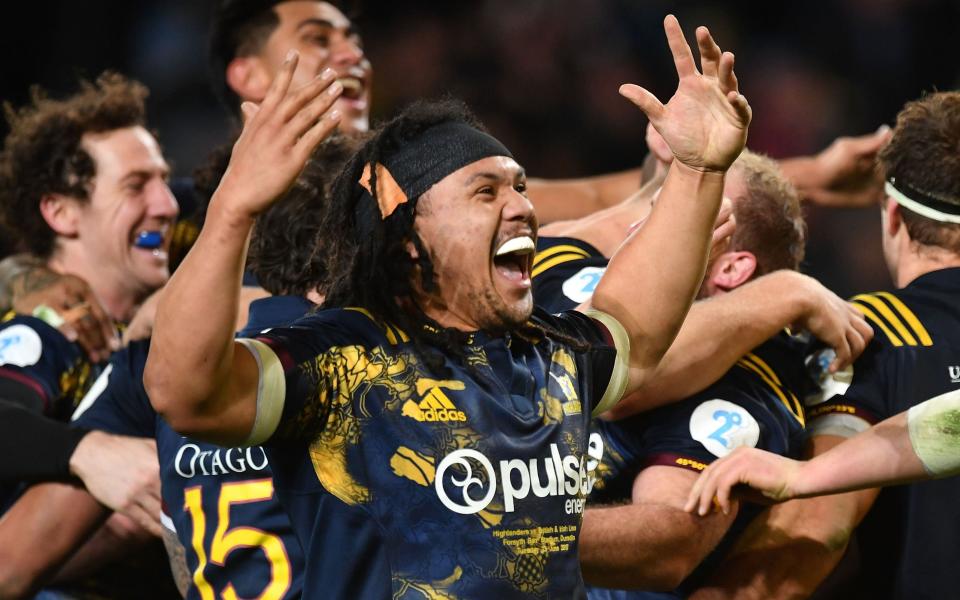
[436, 406]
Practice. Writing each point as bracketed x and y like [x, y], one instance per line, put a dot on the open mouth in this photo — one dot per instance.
[513, 260]
[352, 87]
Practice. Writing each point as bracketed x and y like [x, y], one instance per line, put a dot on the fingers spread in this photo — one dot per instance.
[296, 100]
[725, 73]
[281, 83]
[741, 106]
[308, 115]
[709, 52]
[646, 101]
[320, 130]
[682, 56]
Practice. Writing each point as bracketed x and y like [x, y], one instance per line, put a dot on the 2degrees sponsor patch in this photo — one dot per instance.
[722, 426]
[581, 286]
[19, 345]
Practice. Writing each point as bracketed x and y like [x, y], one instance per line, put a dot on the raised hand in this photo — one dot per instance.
[768, 473]
[845, 173]
[705, 122]
[278, 137]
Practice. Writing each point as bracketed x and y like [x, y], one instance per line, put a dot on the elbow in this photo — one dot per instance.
[170, 402]
[162, 397]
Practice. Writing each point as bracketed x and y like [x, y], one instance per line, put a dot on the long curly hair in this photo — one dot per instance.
[43, 154]
[367, 261]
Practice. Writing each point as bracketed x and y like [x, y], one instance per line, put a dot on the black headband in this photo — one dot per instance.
[418, 164]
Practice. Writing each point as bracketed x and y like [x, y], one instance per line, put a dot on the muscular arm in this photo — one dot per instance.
[45, 527]
[217, 402]
[811, 532]
[720, 330]
[652, 543]
[705, 124]
[178, 561]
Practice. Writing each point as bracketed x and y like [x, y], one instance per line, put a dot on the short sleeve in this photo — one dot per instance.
[117, 401]
[602, 348]
[298, 365]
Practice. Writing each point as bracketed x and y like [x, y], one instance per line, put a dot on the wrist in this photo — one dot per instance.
[80, 457]
[225, 208]
[699, 172]
[803, 293]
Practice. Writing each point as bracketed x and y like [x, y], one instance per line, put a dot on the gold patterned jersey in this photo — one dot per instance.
[408, 484]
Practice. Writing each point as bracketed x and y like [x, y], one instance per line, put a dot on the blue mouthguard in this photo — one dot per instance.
[150, 240]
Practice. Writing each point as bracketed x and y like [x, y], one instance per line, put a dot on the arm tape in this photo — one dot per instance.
[934, 428]
[621, 367]
[271, 391]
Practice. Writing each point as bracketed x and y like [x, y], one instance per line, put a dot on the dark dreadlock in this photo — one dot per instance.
[368, 265]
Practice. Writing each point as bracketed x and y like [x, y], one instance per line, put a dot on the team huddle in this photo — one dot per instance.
[364, 363]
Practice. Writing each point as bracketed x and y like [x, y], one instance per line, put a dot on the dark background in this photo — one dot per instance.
[543, 75]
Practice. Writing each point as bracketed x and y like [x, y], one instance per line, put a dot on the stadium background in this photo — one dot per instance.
[543, 75]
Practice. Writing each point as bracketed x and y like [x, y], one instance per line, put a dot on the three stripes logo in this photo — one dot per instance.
[891, 316]
[759, 367]
[434, 406]
[556, 255]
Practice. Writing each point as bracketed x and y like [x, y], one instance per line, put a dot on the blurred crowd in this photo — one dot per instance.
[543, 76]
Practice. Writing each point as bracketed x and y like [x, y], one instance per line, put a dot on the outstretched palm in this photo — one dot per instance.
[705, 122]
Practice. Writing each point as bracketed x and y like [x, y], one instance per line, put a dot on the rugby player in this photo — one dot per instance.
[573, 255]
[198, 479]
[650, 543]
[83, 180]
[907, 538]
[431, 319]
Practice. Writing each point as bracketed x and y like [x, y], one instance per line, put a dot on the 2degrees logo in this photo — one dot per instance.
[475, 480]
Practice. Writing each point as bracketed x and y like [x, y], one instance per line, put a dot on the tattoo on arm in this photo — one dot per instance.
[178, 561]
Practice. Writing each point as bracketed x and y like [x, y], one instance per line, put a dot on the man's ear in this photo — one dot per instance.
[62, 214]
[893, 219]
[732, 269]
[248, 78]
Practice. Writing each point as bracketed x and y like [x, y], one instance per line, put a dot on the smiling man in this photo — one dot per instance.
[428, 431]
[250, 38]
[84, 184]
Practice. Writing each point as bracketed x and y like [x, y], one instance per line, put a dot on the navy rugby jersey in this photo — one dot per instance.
[407, 484]
[757, 403]
[36, 356]
[237, 539]
[909, 542]
[565, 273]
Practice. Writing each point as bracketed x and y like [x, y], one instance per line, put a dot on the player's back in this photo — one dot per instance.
[220, 502]
[909, 542]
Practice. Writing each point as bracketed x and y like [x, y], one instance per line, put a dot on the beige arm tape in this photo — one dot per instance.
[934, 428]
[271, 391]
[621, 367]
